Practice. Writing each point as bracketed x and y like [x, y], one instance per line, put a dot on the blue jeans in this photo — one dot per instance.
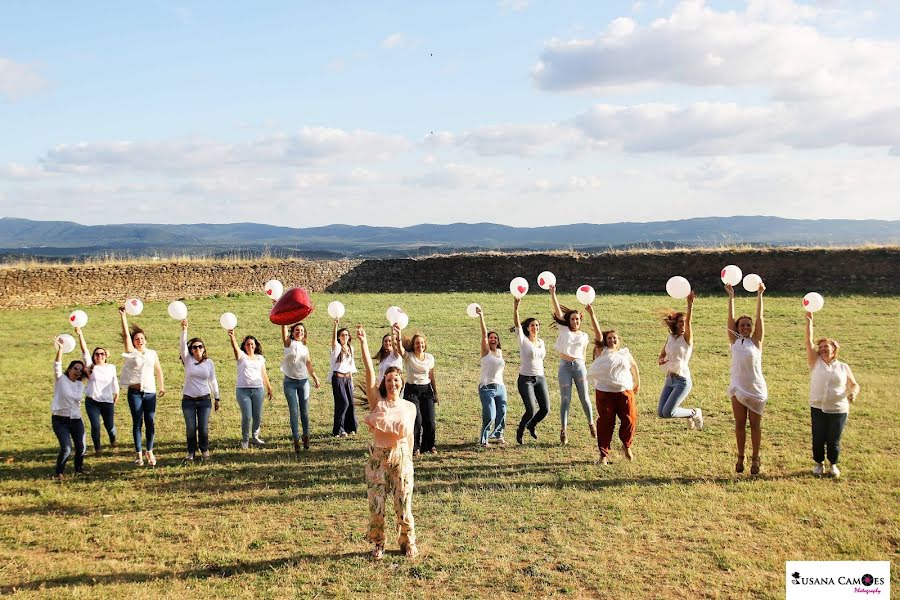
[536, 397]
[94, 411]
[296, 391]
[250, 401]
[674, 392]
[196, 421]
[143, 412]
[827, 429]
[493, 411]
[573, 371]
[68, 431]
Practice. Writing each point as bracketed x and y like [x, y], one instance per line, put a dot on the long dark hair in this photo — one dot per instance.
[337, 337]
[381, 354]
[258, 345]
[84, 374]
[382, 387]
[190, 343]
[526, 324]
[499, 347]
[294, 326]
[566, 315]
[671, 321]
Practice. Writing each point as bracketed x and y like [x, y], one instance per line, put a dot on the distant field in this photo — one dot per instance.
[531, 521]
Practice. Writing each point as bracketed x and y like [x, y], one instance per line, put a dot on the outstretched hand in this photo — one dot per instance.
[361, 333]
[762, 288]
[729, 290]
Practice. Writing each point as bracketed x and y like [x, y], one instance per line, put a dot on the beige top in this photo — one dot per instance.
[391, 422]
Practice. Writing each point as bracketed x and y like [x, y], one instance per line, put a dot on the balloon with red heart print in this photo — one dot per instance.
[731, 275]
[518, 287]
[546, 279]
[273, 289]
[294, 305]
[134, 307]
[78, 318]
[813, 302]
[585, 294]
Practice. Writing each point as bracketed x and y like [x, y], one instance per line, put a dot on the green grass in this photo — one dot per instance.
[533, 521]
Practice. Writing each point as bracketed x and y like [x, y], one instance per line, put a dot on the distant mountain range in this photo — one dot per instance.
[65, 239]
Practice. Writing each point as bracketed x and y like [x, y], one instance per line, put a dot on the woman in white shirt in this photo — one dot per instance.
[252, 378]
[531, 383]
[140, 372]
[421, 390]
[747, 390]
[491, 390]
[674, 359]
[617, 381]
[102, 392]
[65, 410]
[298, 369]
[200, 387]
[571, 343]
[832, 388]
[388, 356]
[342, 369]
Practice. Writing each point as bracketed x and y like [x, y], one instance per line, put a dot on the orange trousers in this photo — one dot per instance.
[610, 405]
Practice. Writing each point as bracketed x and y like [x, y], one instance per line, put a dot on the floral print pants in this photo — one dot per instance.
[390, 471]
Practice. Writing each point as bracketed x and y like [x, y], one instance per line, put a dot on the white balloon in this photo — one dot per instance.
[68, 342]
[678, 287]
[336, 309]
[178, 310]
[751, 282]
[228, 321]
[471, 310]
[518, 287]
[134, 307]
[402, 320]
[78, 318]
[585, 294]
[813, 302]
[731, 275]
[546, 279]
[273, 289]
[392, 313]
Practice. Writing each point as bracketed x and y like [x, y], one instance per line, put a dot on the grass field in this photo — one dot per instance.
[535, 521]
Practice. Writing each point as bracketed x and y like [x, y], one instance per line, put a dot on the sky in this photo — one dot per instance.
[521, 112]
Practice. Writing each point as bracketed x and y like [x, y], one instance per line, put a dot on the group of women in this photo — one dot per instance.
[401, 414]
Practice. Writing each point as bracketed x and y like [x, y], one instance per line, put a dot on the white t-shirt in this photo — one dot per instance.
[678, 354]
[391, 360]
[828, 387]
[67, 395]
[294, 363]
[417, 370]
[199, 378]
[249, 372]
[492, 368]
[531, 355]
[340, 362]
[140, 368]
[611, 371]
[572, 343]
[103, 384]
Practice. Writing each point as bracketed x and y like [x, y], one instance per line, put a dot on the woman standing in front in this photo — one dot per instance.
[832, 388]
[390, 468]
[531, 383]
[617, 381]
[571, 343]
[140, 372]
[102, 392]
[747, 390]
[491, 390]
[674, 358]
[421, 390]
[297, 368]
[343, 366]
[252, 378]
[65, 410]
[200, 388]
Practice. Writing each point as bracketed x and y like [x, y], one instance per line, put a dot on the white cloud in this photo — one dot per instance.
[18, 80]
[514, 5]
[395, 40]
[454, 176]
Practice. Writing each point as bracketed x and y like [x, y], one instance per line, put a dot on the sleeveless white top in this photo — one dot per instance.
[747, 382]
[678, 354]
[531, 355]
[828, 387]
[573, 343]
[611, 371]
[492, 368]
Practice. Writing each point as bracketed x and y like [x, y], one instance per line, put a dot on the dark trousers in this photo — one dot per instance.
[536, 397]
[143, 412]
[609, 406]
[826, 434]
[344, 414]
[68, 432]
[196, 421]
[95, 410]
[425, 431]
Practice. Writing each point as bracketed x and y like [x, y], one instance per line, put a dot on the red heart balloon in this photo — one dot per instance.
[805, 302]
[585, 288]
[72, 318]
[723, 272]
[293, 306]
[541, 281]
[134, 302]
[269, 292]
[521, 289]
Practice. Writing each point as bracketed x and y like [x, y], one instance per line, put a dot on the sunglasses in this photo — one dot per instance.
[197, 347]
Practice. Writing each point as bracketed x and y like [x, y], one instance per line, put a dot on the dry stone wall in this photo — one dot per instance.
[873, 271]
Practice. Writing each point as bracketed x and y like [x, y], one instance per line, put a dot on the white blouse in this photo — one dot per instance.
[293, 364]
[611, 371]
[140, 368]
[531, 355]
[492, 369]
[678, 354]
[747, 382]
[340, 362]
[828, 387]
[249, 372]
[417, 370]
[67, 394]
[199, 378]
[572, 343]
[103, 383]
[391, 360]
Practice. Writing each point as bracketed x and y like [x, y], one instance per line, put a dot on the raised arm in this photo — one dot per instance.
[732, 334]
[372, 392]
[516, 320]
[126, 335]
[759, 330]
[485, 348]
[57, 362]
[398, 340]
[83, 344]
[688, 330]
[285, 336]
[183, 344]
[334, 329]
[811, 354]
[234, 345]
[554, 303]
[595, 325]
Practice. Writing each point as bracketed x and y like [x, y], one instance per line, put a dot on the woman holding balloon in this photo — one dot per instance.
[102, 392]
[342, 368]
[491, 390]
[140, 373]
[674, 358]
[298, 369]
[252, 379]
[421, 390]
[531, 383]
[65, 410]
[200, 388]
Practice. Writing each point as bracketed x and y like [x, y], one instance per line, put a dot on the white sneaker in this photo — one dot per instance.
[818, 469]
[205, 455]
[697, 419]
[258, 440]
[835, 472]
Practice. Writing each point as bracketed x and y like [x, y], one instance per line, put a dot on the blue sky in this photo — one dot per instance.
[513, 111]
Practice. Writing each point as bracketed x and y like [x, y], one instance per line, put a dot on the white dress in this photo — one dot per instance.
[747, 382]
